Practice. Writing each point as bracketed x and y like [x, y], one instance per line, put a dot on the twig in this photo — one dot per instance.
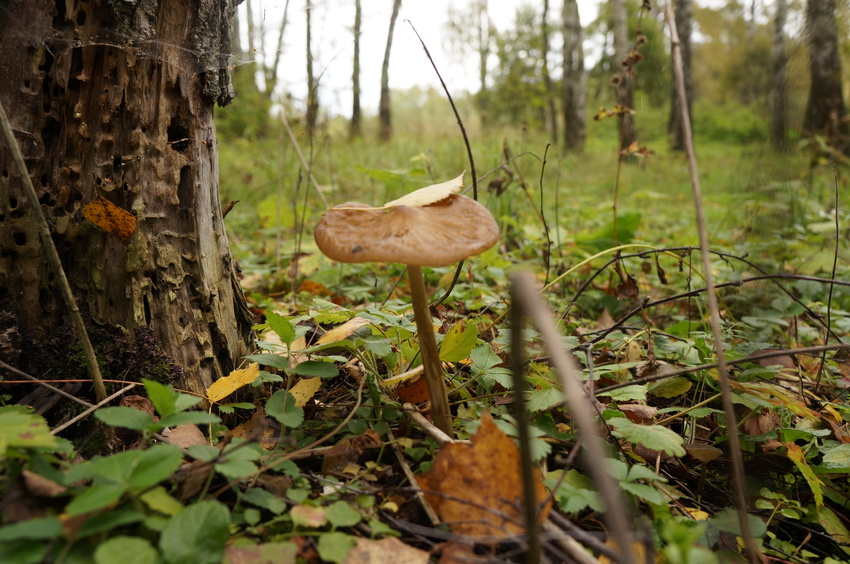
[616, 513]
[435, 432]
[44, 384]
[53, 257]
[753, 552]
[405, 467]
[94, 408]
[832, 275]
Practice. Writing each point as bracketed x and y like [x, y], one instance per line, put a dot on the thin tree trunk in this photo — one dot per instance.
[683, 11]
[483, 24]
[312, 87]
[825, 106]
[271, 72]
[625, 76]
[384, 104]
[779, 91]
[130, 122]
[552, 115]
[574, 83]
[355, 129]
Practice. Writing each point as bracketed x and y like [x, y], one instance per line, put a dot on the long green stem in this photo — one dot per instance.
[53, 257]
[430, 353]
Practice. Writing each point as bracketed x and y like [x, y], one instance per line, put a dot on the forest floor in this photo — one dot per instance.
[320, 447]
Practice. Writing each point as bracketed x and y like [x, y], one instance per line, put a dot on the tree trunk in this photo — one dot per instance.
[484, 39]
[574, 83]
[312, 87]
[825, 107]
[386, 130]
[552, 115]
[625, 77]
[683, 11]
[779, 91]
[115, 99]
[271, 72]
[356, 116]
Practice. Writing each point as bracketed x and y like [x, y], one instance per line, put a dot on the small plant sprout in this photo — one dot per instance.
[433, 226]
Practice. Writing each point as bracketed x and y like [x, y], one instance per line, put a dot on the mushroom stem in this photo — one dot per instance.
[430, 353]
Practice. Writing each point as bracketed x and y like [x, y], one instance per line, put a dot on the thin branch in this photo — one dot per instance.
[53, 257]
[832, 275]
[753, 552]
[303, 160]
[94, 408]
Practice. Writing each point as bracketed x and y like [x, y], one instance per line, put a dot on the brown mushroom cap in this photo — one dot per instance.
[438, 234]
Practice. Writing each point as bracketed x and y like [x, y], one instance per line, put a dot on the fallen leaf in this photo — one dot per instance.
[223, 387]
[304, 390]
[308, 516]
[185, 435]
[112, 219]
[428, 195]
[277, 552]
[476, 488]
[342, 332]
[638, 413]
[256, 429]
[388, 549]
[348, 451]
[413, 391]
[40, 486]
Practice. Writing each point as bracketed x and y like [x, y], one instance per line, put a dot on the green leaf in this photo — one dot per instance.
[127, 417]
[838, 457]
[160, 500]
[282, 407]
[96, 497]
[25, 430]
[197, 534]
[316, 368]
[575, 492]
[273, 360]
[727, 520]
[127, 550]
[38, 528]
[108, 521]
[541, 400]
[340, 514]
[334, 547]
[155, 465]
[458, 342]
[238, 460]
[196, 417]
[206, 453]
[483, 357]
[162, 396]
[655, 437]
[670, 387]
[281, 325]
[265, 499]
[633, 392]
[184, 401]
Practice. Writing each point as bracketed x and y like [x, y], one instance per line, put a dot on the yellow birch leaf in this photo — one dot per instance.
[223, 387]
[344, 331]
[305, 389]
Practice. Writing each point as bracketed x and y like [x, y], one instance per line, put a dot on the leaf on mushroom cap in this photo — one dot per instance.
[418, 198]
[438, 234]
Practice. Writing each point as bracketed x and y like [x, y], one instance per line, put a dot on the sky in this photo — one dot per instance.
[333, 45]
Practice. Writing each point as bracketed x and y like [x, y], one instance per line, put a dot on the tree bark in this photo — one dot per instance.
[683, 11]
[825, 106]
[574, 83]
[551, 114]
[116, 100]
[312, 87]
[779, 90]
[386, 129]
[625, 77]
[356, 117]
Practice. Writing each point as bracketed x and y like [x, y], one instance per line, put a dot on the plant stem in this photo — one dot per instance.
[430, 353]
[53, 257]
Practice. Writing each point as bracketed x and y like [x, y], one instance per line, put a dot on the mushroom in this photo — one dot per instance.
[436, 229]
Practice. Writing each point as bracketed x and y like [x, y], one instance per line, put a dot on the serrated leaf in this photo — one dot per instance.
[162, 396]
[127, 417]
[281, 326]
[655, 437]
[838, 457]
[541, 400]
[223, 387]
[196, 417]
[458, 342]
[26, 430]
[160, 500]
[197, 534]
[154, 465]
[316, 368]
[282, 407]
[670, 387]
[341, 514]
[627, 393]
[304, 390]
[96, 497]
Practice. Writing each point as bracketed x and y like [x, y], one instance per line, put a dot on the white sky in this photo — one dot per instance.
[333, 46]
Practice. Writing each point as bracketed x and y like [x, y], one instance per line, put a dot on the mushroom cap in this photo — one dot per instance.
[437, 234]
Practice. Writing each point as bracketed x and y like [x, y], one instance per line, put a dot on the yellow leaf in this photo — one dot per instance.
[223, 387]
[305, 389]
[344, 331]
[111, 218]
[419, 198]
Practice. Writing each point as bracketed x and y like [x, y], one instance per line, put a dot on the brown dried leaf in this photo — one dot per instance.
[638, 413]
[348, 451]
[111, 218]
[477, 488]
[40, 486]
[344, 331]
[185, 435]
[388, 549]
[277, 552]
[256, 429]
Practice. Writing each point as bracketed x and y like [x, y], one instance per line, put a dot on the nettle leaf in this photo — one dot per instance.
[483, 357]
[197, 534]
[282, 406]
[162, 396]
[458, 342]
[316, 368]
[838, 457]
[122, 416]
[282, 326]
[575, 492]
[655, 437]
[541, 400]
